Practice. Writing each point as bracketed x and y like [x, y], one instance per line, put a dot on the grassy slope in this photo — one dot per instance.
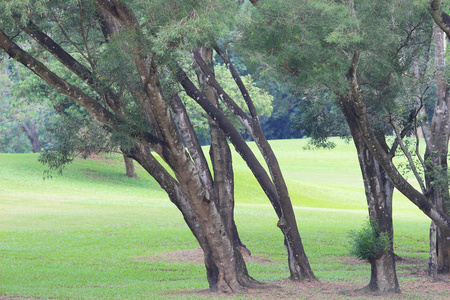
[78, 236]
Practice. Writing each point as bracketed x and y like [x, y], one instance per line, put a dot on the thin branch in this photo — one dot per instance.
[418, 140]
[408, 37]
[69, 39]
[89, 56]
[238, 80]
[394, 124]
[226, 99]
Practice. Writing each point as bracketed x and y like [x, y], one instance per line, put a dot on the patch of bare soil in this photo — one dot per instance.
[194, 256]
[414, 284]
[422, 288]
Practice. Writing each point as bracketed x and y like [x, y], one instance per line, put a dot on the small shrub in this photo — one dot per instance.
[368, 243]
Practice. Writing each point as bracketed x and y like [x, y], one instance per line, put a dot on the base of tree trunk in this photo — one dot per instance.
[383, 278]
[238, 286]
[443, 251]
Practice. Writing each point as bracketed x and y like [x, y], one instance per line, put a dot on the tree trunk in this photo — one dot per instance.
[230, 274]
[33, 136]
[437, 138]
[220, 153]
[383, 278]
[439, 149]
[144, 157]
[129, 166]
[379, 190]
[299, 266]
[433, 264]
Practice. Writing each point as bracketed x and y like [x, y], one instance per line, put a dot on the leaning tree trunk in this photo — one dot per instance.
[357, 107]
[379, 190]
[144, 157]
[230, 276]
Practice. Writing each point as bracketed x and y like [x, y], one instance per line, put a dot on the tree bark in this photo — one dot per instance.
[143, 156]
[433, 263]
[383, 278]
[129, 166]
[440, 131]
[220, 154]
[379, 191]
[436, 137]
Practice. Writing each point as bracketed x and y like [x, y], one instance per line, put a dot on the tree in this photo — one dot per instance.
[27, 110]
[337, 45]
[129, 64]
[22, 118]
[436, 136]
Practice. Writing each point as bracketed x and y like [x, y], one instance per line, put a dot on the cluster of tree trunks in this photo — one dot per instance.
[206, 198]
[206, 201]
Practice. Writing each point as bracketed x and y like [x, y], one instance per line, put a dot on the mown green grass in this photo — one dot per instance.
[78, 236]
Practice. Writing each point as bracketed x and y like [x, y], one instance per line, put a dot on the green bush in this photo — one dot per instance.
[368, 243]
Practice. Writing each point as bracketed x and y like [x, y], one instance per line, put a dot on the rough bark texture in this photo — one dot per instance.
[383, 278]
[379, 190]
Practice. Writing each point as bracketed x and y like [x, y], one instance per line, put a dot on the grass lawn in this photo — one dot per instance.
[84, 235]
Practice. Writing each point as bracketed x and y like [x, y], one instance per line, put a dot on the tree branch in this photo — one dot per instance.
[394, 124]
[99, 112]
[190, 138]
[440, 18]
[71, 63]
[15, 52]
[83, 34]
[235, 137]
[238, 80]
[70, 40]
[360, 112]
[211, 79]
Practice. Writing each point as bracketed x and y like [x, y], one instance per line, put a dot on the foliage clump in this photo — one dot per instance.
[369, 243]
